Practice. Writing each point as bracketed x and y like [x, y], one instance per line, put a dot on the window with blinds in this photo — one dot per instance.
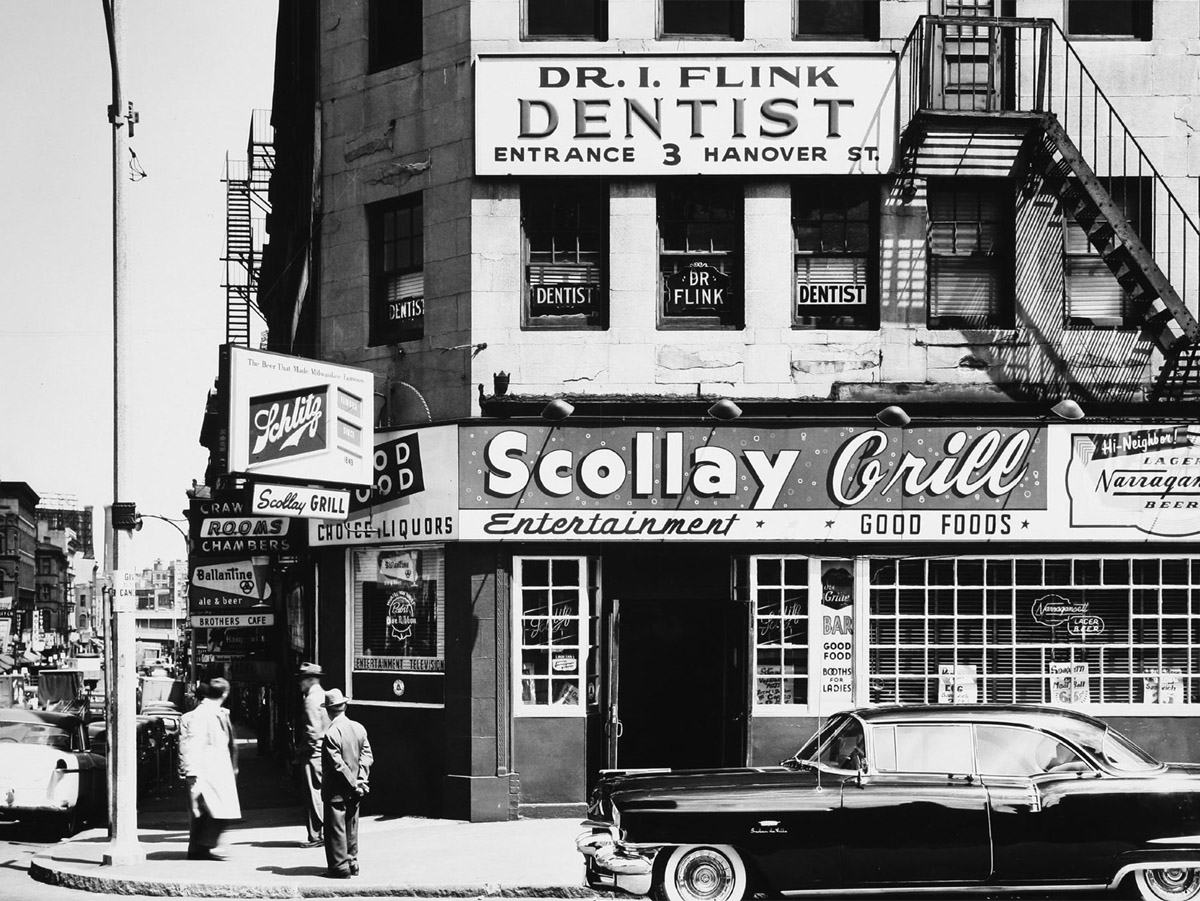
[835, 229]
[970, 253]
[397, 259]
[700, 253]
[1072, 631]
[565, 227]
[1092, 295]
[398, 621]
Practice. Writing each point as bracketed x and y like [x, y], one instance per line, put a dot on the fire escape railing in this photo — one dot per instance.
[1027, 68]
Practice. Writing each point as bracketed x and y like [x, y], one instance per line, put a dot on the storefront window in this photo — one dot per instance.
[779, 589]
[1066, 631]
[552, 624]
[399, 622]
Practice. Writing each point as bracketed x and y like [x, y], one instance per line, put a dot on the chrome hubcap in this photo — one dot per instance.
[706, 875]
[1175, 882]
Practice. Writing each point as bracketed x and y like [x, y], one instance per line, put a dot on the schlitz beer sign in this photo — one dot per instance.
[677, 114]
[293, 418]
[969, 483]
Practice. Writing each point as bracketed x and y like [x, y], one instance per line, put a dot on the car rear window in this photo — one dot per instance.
[36, 734]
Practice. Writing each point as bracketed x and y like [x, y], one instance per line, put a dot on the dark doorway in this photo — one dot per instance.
[682, 683]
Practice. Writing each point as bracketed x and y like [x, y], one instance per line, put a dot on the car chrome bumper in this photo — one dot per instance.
[609, 862]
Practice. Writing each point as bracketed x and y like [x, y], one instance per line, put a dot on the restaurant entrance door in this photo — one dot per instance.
[681, 686]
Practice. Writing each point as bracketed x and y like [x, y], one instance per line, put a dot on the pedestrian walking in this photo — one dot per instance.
[345, 770]
[208, 759]
[314, 722]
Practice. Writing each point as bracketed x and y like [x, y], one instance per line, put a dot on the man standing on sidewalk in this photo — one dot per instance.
[314, 721]
[345, 769]
[208, 759]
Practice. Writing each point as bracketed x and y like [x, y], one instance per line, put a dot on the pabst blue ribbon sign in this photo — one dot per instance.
[298, 419]
[852, 482]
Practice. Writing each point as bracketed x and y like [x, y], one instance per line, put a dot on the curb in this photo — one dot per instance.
[43, 869]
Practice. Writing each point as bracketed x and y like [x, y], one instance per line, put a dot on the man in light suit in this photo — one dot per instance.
[314, 722]
[345, 769]
[208, 759]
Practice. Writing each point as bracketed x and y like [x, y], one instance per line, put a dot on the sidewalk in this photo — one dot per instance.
[399, 856]
[405, 856]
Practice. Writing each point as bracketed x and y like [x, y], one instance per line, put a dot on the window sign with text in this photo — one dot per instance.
[399, 624]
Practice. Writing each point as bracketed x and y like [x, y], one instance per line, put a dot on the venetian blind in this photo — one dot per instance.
[408, 285]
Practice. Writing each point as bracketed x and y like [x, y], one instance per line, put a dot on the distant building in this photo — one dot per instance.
[18, 561]
[64, 511]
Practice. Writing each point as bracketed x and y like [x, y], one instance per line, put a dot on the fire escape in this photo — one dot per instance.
[986, 89]
[246, 209]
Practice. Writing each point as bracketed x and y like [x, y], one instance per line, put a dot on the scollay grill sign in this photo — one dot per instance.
[848, 482]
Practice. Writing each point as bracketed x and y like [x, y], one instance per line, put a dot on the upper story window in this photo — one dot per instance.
[1092, 295]
[397, 270]
[1129, 20]
[565, 226]
[970, 253]
[715, 19]
[700, 253]
[835, 230]
[566, 20]
[393, 33]
[838, 19]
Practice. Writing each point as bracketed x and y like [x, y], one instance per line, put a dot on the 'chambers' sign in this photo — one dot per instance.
[662, 115]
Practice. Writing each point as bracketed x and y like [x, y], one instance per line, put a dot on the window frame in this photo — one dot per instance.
[1002, 317]
[584, 646]
[399, 53]
[869, 32]
[380, 333]
[1141, 13]
[842, 316]
[554, 191]
[599, 30]
[806, 648]
[735, 258]
[737, 23]
[1149, 631]
[1142, 224]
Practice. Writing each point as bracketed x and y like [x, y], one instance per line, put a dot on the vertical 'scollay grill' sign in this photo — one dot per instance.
[787, 114]
[298, 419]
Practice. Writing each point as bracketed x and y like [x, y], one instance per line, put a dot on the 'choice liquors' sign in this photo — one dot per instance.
[794, 114]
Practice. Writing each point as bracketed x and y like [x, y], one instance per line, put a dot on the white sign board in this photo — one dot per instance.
[124, 591]
[655, 114]
[305, 503]
[299, 418]
[233, 620]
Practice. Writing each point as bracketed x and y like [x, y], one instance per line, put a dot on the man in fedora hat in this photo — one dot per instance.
[346, 766]
[314, 721]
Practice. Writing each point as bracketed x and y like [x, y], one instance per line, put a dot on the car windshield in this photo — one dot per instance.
[839, 745]
[35, 734]
[1109, 746]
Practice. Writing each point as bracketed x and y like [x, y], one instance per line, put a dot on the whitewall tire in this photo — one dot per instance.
[1168, 884]
[703, 873]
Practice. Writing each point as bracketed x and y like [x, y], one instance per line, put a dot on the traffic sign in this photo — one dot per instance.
[124, 591]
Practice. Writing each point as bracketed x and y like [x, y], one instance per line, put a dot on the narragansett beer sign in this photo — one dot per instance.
[654, 114]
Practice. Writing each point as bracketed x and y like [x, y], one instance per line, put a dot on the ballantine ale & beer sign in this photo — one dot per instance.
[851, 482]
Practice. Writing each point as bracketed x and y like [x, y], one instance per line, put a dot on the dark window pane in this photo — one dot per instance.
[838, 18]
[702, 17]
[565, 18]
[1110, 18]
[565, 222]
[394, 33]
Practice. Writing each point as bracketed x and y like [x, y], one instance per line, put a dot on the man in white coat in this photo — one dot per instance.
[208, 758]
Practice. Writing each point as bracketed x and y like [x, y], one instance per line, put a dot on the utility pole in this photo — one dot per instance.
[123, 849]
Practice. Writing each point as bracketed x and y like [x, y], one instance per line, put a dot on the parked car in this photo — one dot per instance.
[48, 771]
[945, 797]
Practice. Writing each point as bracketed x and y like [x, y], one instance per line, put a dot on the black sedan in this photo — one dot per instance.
[947, 797]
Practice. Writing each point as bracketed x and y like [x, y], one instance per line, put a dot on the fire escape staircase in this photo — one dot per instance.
[981, 76]
[246, 208]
